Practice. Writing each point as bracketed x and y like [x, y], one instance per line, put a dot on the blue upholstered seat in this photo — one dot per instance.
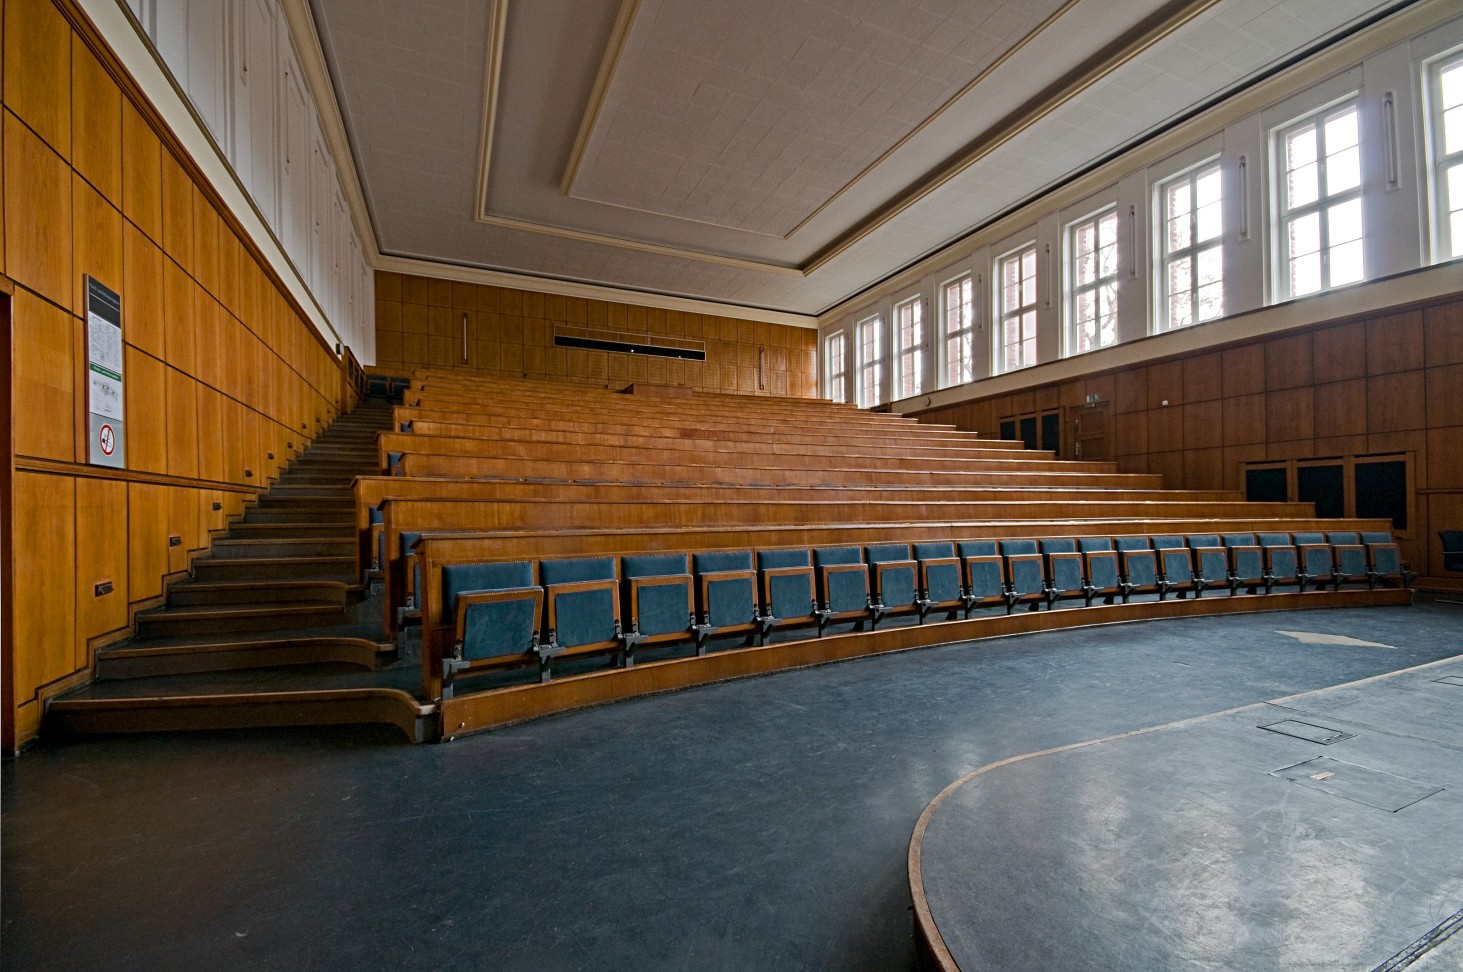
[659, 596]
[496, 610]
[893, 579]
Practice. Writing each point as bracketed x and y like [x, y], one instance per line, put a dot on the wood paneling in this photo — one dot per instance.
[142, 292]
[1244, 420]
[38, 214]
[147, 414]
[1442, 328]
[1444, 396]
[101, 555]
[142, 173]
[1288, 362]
[96, 123]
[1204, 426]
[98, 241]
[1203, 378]
[1341, 408]
[1244, 370]
[37, 69]
[1166, 429]
[205, 243]
[183, 523]
[180, 315]
[1166, 384]
[1340, 352]
[211, 463]
[182, 426]
[1396, 402]
[1445, 459]
[44, 374]
[1290, 415]
[1394, 343]
[147, 539]
[45, 588]
[178, 193]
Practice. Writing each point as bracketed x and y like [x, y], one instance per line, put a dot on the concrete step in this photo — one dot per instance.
[232, 618]
[300, 516]
[261, 592]
[307, 546]
[287, 531]
[209, 569]
[191, 657]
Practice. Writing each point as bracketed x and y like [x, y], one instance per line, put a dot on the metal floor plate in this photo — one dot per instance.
[1358, 784]
[1308, 731]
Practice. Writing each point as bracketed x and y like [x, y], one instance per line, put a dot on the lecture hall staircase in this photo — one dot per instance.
[272, 628]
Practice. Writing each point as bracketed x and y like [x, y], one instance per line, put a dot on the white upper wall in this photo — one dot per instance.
[236, 64]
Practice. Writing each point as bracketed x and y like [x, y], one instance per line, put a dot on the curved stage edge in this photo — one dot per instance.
[1190, 844]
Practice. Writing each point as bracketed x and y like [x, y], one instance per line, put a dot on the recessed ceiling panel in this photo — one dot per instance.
[753, 115]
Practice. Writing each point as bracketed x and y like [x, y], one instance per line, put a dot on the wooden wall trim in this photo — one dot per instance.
[133, 91]
[8, 742]
[80, 470]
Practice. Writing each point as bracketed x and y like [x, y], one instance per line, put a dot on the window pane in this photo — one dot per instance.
[1211, 266]
[1211, 302]
[1180, 310]
[1107, 264]
[1343, 171]
[1341, 131]
[1305, 235]
[1208, 188]
[1343, 222]
[1455, 230]
[1346, 263]
[1300, 148]
[1028, 263]
[1210, 222]
[1452, 85]
[1453, 130]
[1305, 275]
[1108, 315]
[1178, 236]
[1180, 275]
[1028, 291]
[1301, 187]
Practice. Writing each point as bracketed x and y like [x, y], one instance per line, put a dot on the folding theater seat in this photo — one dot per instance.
[1316, 559]
[893, 580]
[1025, 573]
[1175, 567]
[1100, 567]
[660, 598]
[1282, 562]
[940, 578]
[1139, 563]
[843, 582]
[788, 593]
[376, 541]
[1210, 562]
[582, 599]
[1063, 563]
[984, 570]
[496, 610]
[1384, 559]
[1350, 558]
[726, 594]
[1246, 562]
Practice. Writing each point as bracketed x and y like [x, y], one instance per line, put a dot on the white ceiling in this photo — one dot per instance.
[780, 154]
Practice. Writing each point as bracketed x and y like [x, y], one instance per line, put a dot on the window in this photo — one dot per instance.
[1092, 315]
[835, 368]
[870, 334]
[1017, 308]
[959, 331]
[1445, 132]
[909, 335]
[1320, 203]
[1192, 275]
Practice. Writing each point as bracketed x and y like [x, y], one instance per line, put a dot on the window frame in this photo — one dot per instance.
[1442, 246]
[1283, 216]
[914, 352]
[1001, 315]
[1191, 174]
[835, 383]
[966, 332]
[1073, 290]
[865, 363]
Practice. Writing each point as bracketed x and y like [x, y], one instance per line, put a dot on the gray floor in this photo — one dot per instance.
[760, 824]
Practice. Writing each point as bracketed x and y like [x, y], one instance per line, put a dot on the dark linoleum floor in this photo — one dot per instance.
[760, 824]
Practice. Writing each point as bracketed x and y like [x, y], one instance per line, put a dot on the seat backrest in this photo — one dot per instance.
[1343, 539]
[1015, 548]
[1132, 543]
[376, 515]
[460, 578]
[577, 569]
[978, 548]
[653, 565]
[1094, 544]
[1274, 539]
[840, 555]
[1202, 540]
[1301, 538]
[717, 560]
[773, 559]
[1452, 540]
[1239, 540]
[934, 551]
[881, 552]
[1376, 537]
[1059, 545]
[1167, 542]
[407, 539]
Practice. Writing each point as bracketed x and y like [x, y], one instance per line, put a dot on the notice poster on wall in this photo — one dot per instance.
[107, 441]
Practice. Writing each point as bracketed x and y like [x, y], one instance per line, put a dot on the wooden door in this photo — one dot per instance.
[1090, 425]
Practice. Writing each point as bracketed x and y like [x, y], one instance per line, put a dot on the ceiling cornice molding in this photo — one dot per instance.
[607, 67]
[569, 288]
[301, 25]
[492, 82]
[1019, 121]
[660, 249]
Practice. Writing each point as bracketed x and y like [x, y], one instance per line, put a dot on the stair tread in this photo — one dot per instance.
[356, 631]
[400, 675]
[182, 612]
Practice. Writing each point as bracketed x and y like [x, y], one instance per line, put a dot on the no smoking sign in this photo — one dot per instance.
[108, 440]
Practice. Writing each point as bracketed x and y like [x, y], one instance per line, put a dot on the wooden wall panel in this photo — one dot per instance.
[147, 539]
[1396, 402]
[1340, 352]
[98, 242]
[178, 213]
[1244, 370]
[1288, 362]
[38, 215]
[1442, 328]
[45, 586]
[211, 464]
[147, 412]
[182, 424]
[101, 555]
[1394, 343]
[419, 322]
[1341, 408]
[1444, 396]
[183, 523]
[96, 123]
[43, 375]
[1290, 415]
[38, 69]
[142, 173]
[142, 292]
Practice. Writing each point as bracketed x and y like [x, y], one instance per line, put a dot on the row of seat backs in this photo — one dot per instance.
[579, 600]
